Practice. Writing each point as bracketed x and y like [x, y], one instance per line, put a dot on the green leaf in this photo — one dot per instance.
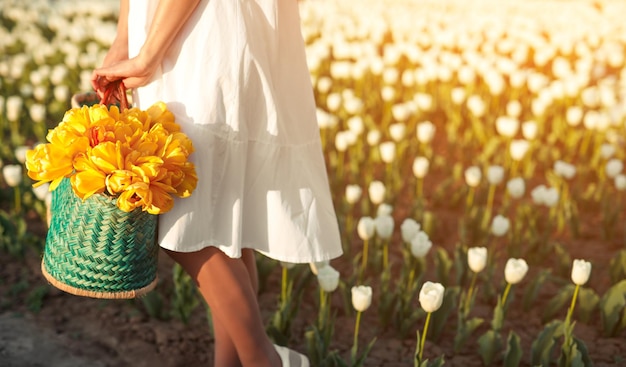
[490, 343]
[498, 315]
[361, 359]
[617, 268]
[542, 347]
[611, 308]
[460, 263]
[558, 302]
[443, 265]
[437, 362]
[530, 294]
[464, 330]
[584, 352]
[513, 353]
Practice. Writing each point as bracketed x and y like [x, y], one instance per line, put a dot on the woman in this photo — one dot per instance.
[234, 74]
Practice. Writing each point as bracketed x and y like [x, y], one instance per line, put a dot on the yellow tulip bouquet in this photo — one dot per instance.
[138, 156]
[111, 171]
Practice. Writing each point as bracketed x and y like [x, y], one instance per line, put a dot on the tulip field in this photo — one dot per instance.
[475, 152]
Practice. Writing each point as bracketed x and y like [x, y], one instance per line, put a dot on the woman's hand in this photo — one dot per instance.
[135, 72]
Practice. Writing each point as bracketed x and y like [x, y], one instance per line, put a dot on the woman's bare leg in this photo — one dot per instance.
[228, 285]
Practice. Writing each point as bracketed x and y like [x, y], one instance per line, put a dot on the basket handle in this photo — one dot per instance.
[115, 91]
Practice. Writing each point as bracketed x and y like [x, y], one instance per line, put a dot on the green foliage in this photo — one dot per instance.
[558, 302]
[154, 306]
[613, 309]
[489, 346]
[617, 267]
[513, 352]
[443, 264]
[530, 294]
[543, 347]
[34, 300]
[442, 315]
[186, 298]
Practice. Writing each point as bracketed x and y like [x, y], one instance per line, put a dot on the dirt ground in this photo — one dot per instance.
[69, 331]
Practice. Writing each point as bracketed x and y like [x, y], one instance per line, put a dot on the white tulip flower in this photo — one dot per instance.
[458, 95]
[477, 258]
[397, 131]
[507, 126]
[373, 137]
[516, 187]
[538, 194]
[476, 105]
[431, 296]
[473, 176]
[328, 278]
[333, 102]
[607, 150]
[20, 153]
[361, 297]
[514, 108]
[37, 112]
[42, 191]
[564, 169]
[581, 270]
[384, 209]
[388, 93]
[341, 141]
[13, 107]
[324, 84]
[409, 229]
[12, 174]
[574, 115]
[420, 244]
[353, 193]
[551, 197]
[355, 124]
[420, 167]
[614, 167]
[500, 225]
[495, 174]
[620, 182]
[387, 151]
[366, 228]
[384, 226]
[376, 190]
[400, 112]
[316, 266]
[518, 149]
[515, 270]
[529, 130]
[425, 132]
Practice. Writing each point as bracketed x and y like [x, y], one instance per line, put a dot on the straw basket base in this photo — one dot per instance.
[94, 294]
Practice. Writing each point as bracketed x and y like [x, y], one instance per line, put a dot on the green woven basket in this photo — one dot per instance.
[94, 249]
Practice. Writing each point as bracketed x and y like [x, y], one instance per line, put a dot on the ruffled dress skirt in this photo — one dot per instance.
[237, 82]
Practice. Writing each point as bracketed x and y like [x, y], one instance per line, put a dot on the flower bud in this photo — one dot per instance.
[384, 209]
[361, 297]
[366, 228]
[515, 270]
[355, 124]
[551, 197]
[373, 137]
[420, 244]
[420, 167]
[328, 278]
[500, 225]
[431, 296]
[564, 169]
[529, 130]
[477, 258]
[473, 176]
[607, 150]
[384, 226]
[376, 192]
[42, 191]
[495, 174]
[614, 167]
[397, 131]
[409, 229]
[387, 151]
[353, 193]
[581, 270]
[12, 174]
[507, 126]
[425, 132]
[20, 153]
[620, 182]
[516, 187]
[518, 149]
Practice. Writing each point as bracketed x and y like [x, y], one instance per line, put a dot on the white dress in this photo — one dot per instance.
[237, 81]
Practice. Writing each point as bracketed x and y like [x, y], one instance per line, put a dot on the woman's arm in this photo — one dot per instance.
[169, 18]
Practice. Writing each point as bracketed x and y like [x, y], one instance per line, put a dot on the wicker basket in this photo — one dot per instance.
[93, 248]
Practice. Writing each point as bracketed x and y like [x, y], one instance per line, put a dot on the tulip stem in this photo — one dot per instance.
[385, 255]
[355, 345]
[283, 288]
[364, 258]
[506, 294]
[18, 201]
[469, 293]
[470, 197]
[423, 340]
[570, 312]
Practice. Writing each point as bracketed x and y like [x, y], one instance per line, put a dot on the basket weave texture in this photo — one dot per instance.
[94, 249]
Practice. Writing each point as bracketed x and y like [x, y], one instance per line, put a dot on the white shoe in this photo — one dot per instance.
[291, 358]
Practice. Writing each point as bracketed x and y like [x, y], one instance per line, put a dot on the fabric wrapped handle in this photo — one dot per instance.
[114, 92]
